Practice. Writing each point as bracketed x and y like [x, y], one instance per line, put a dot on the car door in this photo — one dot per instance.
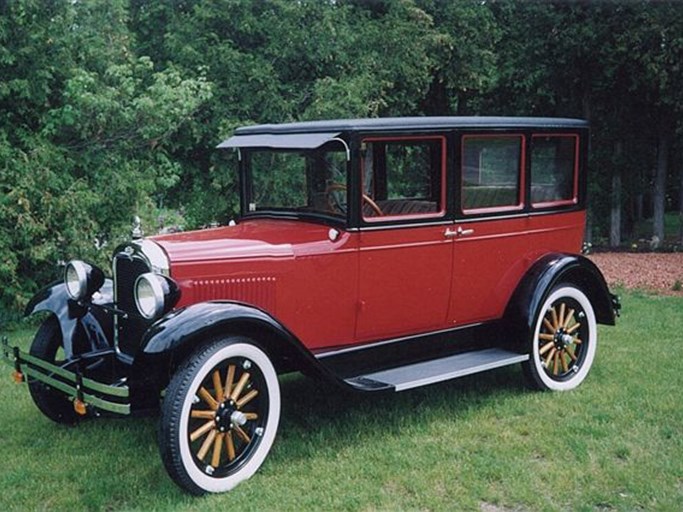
[405, 253]
[498, 237]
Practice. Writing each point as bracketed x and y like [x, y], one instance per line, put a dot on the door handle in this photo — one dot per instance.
[452, 233]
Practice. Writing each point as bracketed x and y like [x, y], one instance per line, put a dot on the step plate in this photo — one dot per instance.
[438, 370]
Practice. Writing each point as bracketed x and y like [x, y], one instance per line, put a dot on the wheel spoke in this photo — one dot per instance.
[246, 398]
[202, 430]
[570, 315]
[204, 415]
[570, 352]
[546, 337]
[240, 386]
[550, 357]
[577, 341]
[251, 415]
[560, 320]
[217, 446]
[556, 362]
[229, 380]
[242, 434]
[548, 325]
[573, 328]
[206, 396]
[546, 347]
[206, 445]
[230, 445]
[217, 386]
[564, 362]
[553, 314]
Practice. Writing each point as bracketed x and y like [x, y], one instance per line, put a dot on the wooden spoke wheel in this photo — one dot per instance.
[564, 340]
[219, 416]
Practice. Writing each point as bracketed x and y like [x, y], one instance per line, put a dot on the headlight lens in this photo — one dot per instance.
[149, 295]
[155, 294]
[76, 279]
[82, 279]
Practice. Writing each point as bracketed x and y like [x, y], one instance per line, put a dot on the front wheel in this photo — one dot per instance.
[564, 341]
[219, 416]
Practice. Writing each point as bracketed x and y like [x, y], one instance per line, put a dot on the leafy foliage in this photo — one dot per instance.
[112, 108]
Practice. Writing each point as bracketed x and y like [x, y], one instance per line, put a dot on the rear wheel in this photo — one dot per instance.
[47, 345]
[219, 416]
[564, 341]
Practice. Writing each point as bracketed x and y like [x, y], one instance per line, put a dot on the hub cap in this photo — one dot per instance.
[561, 337]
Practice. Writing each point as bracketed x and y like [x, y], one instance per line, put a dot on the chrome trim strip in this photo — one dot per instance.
[346, 147]
[155, 256]
[402, 226]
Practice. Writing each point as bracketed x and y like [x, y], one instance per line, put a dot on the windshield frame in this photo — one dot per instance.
[246, 185]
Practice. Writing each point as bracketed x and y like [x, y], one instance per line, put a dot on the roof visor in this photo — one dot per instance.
[280, 141]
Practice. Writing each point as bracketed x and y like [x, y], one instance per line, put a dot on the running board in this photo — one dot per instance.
[436, 370]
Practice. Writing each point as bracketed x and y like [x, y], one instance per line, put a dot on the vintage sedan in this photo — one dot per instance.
[381, 254]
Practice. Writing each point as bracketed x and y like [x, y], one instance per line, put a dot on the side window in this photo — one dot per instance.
[554, 170]
[491, 173]
[403, 177]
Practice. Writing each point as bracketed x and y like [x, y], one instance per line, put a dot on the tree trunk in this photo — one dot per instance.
[680, 203]
[588, 232]
[659, 192]
[615, 215]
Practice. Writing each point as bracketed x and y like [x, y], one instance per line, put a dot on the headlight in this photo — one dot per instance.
[155, 294]
[82, 279]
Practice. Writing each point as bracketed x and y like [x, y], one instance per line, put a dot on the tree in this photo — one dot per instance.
[84, 135]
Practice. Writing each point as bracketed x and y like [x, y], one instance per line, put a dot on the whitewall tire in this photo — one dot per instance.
[219, 416]
[564, 340]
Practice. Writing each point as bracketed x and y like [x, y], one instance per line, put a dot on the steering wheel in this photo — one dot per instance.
[334, 202]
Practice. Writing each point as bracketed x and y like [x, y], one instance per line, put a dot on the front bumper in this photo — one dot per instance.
[85, 392]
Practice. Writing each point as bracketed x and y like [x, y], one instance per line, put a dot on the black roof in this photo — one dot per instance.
[411, 123]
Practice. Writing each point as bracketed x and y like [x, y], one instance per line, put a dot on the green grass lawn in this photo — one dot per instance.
[483, 442]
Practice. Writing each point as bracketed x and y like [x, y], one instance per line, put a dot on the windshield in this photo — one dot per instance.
[301, 181]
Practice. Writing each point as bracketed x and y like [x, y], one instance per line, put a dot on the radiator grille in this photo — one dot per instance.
[130, 330]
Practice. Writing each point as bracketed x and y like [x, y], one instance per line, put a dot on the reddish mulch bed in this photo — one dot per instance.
[657, 272]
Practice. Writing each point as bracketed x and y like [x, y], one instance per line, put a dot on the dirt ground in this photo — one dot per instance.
[656, 272]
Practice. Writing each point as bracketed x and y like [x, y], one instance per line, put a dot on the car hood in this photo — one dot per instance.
[256, 238]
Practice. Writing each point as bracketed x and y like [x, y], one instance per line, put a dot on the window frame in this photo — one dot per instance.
[521, 174]
[398, 219]
[575, 179]
[246, 192]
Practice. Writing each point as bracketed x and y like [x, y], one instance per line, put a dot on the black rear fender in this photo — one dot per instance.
[83, 328]
[547, 273]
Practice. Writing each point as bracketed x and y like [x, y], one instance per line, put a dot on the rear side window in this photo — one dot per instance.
[491, 173]
[554, 179]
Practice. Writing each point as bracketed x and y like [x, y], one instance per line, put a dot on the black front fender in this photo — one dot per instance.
[543, 276]
[195, 322]
[181, 331]
[83, 328]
